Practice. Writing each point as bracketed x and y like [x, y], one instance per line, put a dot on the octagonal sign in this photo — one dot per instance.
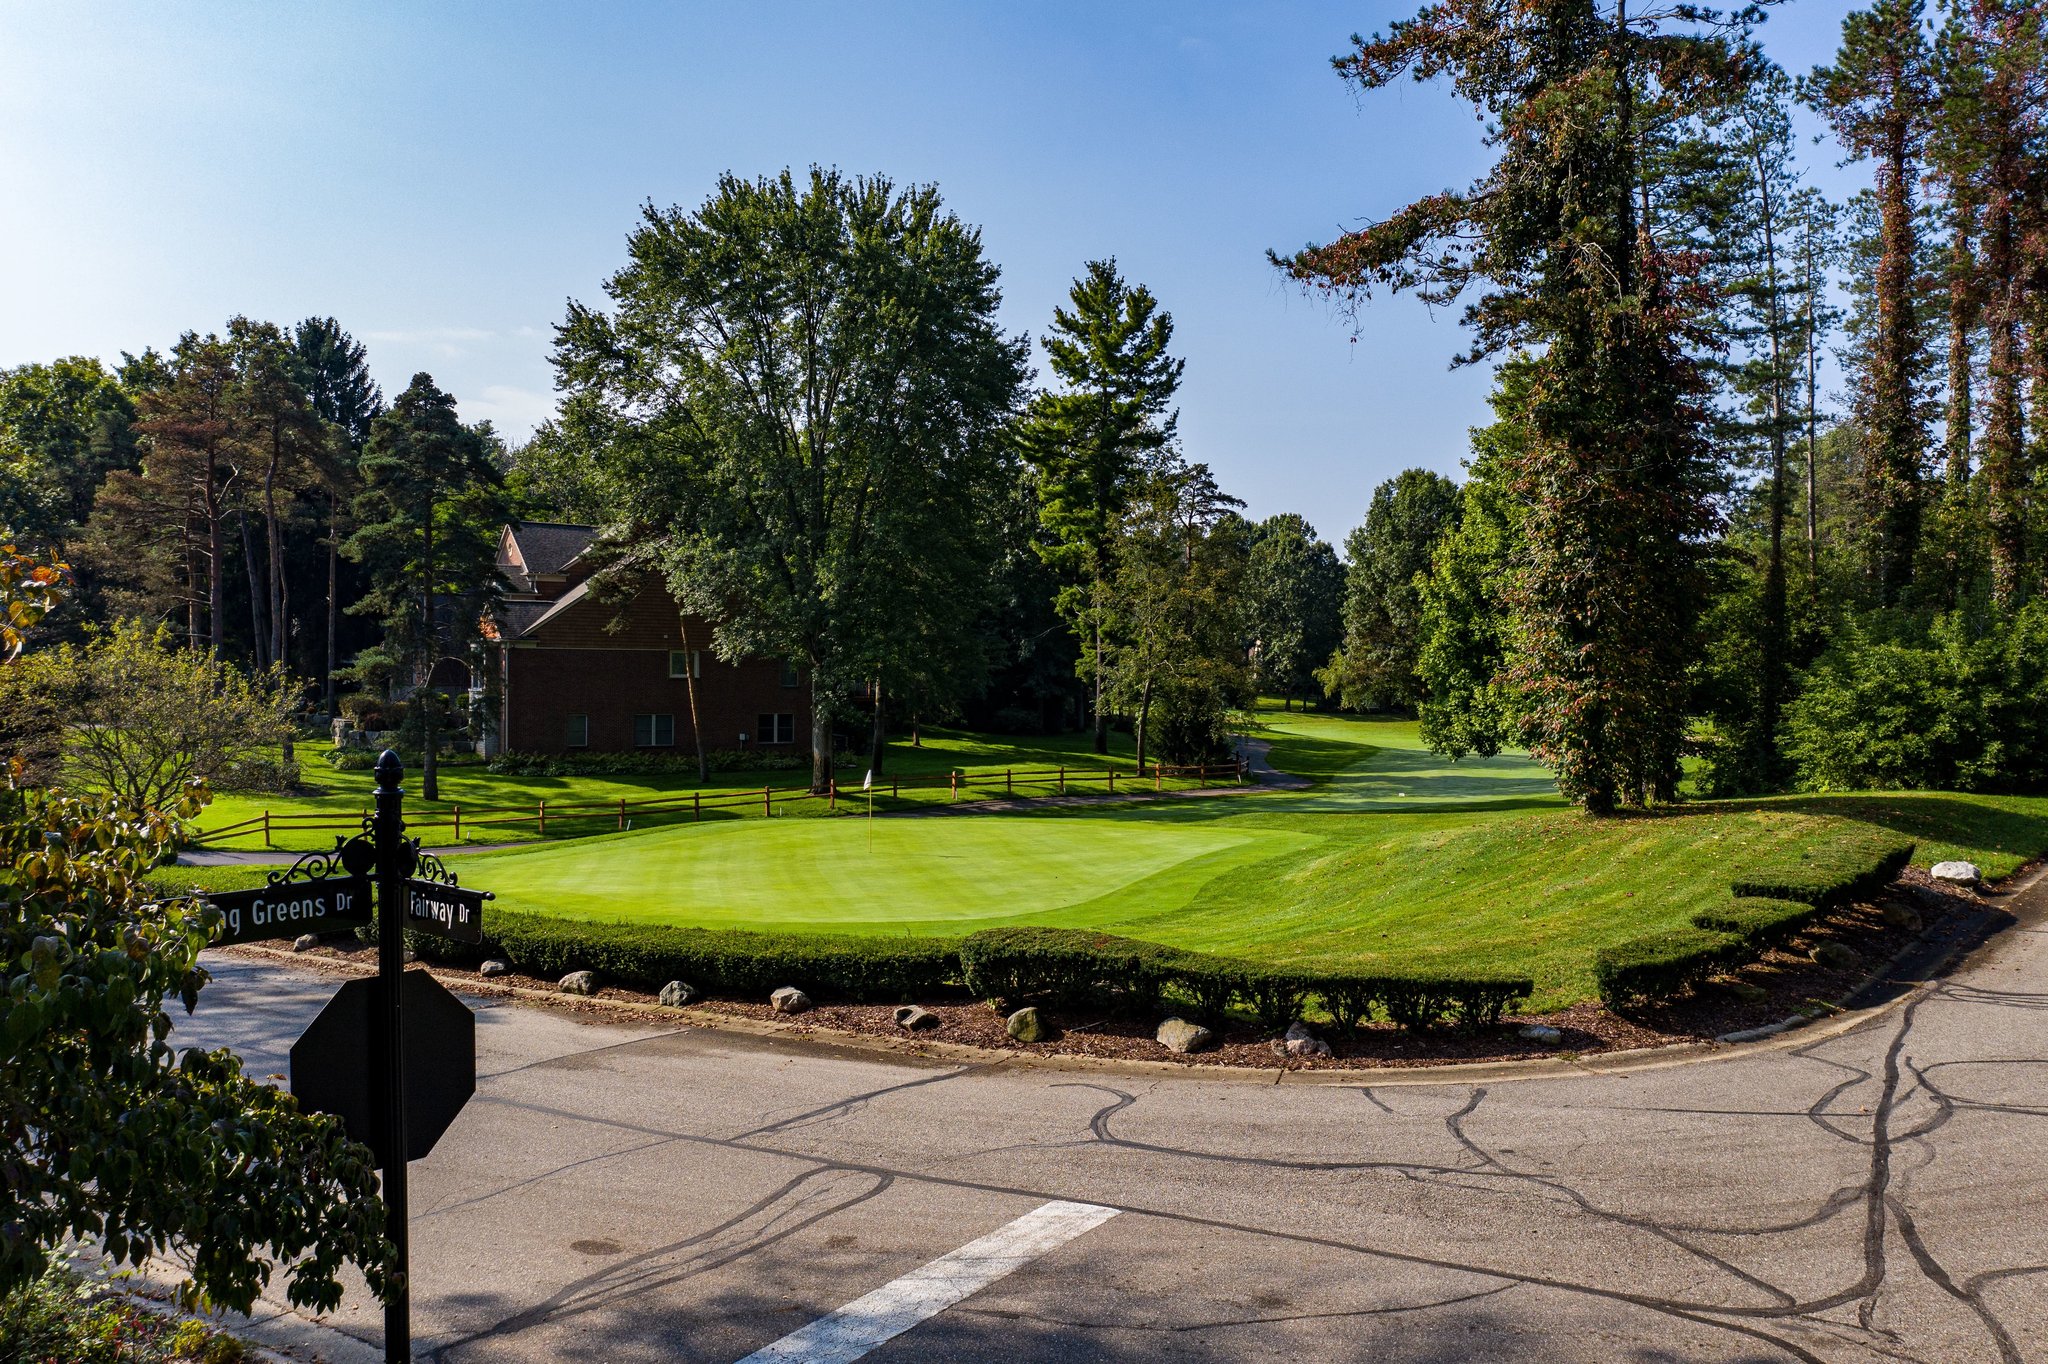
[337, 1065]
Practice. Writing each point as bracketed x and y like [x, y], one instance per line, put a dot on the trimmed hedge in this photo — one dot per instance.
[1852, 867]
[647, 956]
[1071, 965]
[1659, 965]
[1759, 922]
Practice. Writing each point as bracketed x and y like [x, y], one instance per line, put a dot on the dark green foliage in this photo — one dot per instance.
[1759, 922]
[1660, 965]
[1294, 588]
[61, 1318]
[1071, 965]
[1378, 667]
[647, 956]
[1959, 705]
[1852, 867]
[112, 1135]
[1067, 965]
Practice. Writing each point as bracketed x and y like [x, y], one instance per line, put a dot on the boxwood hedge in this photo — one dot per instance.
[646, 956]
[1760, 923]
[1658, 965]
[1853, 866]
[1070, 965]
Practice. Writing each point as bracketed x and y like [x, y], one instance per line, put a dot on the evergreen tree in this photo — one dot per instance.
[1382, 649]
[1616, 478]
[1879, 99]
[1091, 442]
[334, 368]
[427, 532]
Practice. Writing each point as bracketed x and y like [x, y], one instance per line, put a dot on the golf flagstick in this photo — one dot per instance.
[867, 784]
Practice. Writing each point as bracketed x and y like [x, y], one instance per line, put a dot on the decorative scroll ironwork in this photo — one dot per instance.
[355, 856]
[429, 867]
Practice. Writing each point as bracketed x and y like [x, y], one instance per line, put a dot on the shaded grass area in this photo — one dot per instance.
[1393, 856]
[341, 796]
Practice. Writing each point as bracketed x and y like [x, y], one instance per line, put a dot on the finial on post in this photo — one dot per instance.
[389, 769]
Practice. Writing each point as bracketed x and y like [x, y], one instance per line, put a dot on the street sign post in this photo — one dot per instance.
[394, 1056]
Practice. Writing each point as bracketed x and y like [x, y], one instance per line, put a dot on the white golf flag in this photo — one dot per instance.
[868, 780]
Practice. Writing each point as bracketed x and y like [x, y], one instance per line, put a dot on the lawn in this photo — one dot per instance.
[1394, 854]
[334, 798]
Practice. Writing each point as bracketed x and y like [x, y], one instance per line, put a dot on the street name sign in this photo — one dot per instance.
[285, 909]
[445, 911]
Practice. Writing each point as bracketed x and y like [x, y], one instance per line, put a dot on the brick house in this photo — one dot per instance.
[578, 674]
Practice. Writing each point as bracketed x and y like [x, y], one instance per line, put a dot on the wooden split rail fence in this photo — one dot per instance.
[622, 811]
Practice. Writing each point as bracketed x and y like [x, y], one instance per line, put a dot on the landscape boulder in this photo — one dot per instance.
[1026, 1025]
[790, 1000]
[494, 967]
[1837, 956]
[1744, 990]
[1301, 1043]
[305, 942]
[914, 1017]
[676, 994]
[578, 983]
[1542, 1032]
[1956, 873]
[1177, 1034]
[1898, 914]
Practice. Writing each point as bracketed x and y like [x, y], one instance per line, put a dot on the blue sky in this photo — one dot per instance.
[442, 177]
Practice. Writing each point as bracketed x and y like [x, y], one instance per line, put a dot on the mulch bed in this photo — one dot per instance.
[1790, 980]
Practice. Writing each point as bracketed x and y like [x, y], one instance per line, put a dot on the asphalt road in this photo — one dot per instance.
[629, 1194]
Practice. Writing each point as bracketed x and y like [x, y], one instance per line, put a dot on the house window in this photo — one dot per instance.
[789, 677]
[676, 664]
[776, 729]
[654, 731]
[579, 732]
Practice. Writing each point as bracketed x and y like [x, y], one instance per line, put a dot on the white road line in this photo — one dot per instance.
[874, 1318]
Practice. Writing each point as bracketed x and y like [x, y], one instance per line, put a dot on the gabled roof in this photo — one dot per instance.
[545, 548]
[524, 617]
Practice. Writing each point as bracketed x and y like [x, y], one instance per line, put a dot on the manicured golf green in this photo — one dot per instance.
[1392, 855]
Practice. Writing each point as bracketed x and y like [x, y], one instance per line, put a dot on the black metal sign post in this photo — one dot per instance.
[394, 864]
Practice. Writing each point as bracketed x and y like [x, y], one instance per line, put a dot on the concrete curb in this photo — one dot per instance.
[277, 1330]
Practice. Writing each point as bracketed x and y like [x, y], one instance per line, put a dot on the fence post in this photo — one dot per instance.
[831, 793]
[266, 828]
[543, 819]
[1155, 776]
[696, 807]
[1006, 781]
[767, 801]
[953, 785]
[1063, 781]
[1112, 781]
[892, 790]
[457, 836]
[622, 812]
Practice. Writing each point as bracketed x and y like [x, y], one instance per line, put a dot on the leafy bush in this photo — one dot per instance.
[647, 956]
[62, 1316]
[1659, 965]
[1759, 922]
[1959, 704]
[1852, 866]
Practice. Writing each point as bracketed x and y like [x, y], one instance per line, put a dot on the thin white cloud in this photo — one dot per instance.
[514, 411]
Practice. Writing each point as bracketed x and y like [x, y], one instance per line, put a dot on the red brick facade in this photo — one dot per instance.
[609, 674]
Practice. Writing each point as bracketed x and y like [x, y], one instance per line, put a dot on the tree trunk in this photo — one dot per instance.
[1812, 419]
[1775, 647]
[280, 588]
[333, 600]
[1144, 718]
[878, 736]
[430, 786]
[259, 628]
[216, 596]
[690, 691]
[2004, 433]
[1892, 470]
[1101, 720]
[821, 738]
[1961, 320]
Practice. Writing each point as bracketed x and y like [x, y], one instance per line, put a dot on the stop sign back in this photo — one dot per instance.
[337, 1065]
